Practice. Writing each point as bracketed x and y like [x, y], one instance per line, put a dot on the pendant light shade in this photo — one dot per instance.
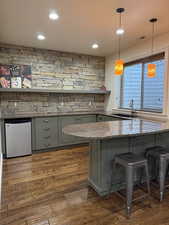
[151, 68]
[119, 63]
[119, 67]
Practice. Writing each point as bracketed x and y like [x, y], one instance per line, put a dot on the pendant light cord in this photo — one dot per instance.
[153, 21]
[119, 11]
[120, 21]
[152, 44]
[119, 40]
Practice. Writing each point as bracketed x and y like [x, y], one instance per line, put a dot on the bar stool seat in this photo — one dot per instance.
[157, 151]
[161, 154]
[130, 159]
[131, 162]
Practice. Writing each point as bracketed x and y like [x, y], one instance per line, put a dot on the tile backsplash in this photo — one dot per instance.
[17, 103]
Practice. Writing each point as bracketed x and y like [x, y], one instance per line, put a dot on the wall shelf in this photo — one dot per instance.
[32, 90]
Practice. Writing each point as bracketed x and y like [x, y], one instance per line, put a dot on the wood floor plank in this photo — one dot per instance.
[51, 189]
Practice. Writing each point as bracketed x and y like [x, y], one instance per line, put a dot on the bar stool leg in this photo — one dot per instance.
[111, 178]
[129, 188]
[167, 173]
[162, 174]
[148, 181]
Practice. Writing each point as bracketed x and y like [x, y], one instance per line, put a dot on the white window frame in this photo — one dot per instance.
[161, 55]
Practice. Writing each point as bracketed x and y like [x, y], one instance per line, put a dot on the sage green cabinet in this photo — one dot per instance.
[106, 118]
[67, 120]
[45, 133]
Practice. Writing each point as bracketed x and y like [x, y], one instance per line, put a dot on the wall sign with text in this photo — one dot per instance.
[15, 76]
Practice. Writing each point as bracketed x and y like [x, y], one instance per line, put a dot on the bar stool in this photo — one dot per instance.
[160, 154]
[131, 162]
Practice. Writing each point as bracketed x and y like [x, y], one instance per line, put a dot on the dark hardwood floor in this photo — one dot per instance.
[51, 189]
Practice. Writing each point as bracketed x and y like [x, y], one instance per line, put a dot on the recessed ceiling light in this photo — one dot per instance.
[95, 46]
[41, 37]
[53, 15]
[120, 31]
[142, 37]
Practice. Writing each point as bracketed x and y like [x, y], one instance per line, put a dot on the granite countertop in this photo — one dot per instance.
[34, 115]
[114, 129]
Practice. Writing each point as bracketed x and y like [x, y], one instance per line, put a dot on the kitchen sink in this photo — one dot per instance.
[125, 115]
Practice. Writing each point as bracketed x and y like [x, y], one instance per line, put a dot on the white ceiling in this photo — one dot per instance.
[81, 23]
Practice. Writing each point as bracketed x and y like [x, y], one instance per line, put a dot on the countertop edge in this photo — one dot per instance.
[78, 113]
[112, 136]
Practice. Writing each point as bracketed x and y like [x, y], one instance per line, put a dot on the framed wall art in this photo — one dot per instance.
[15, 76]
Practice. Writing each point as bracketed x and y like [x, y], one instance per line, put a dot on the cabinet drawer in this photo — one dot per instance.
[43, 144]
[45, 123]
[46, 132]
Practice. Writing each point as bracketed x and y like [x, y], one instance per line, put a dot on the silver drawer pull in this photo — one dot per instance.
[47, 137]
[46, 121]
[47, 145]
[46, 129]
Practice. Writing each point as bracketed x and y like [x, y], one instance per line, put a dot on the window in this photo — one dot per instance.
[146, 93]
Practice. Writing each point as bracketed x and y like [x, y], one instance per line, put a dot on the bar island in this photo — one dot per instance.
[110, 138]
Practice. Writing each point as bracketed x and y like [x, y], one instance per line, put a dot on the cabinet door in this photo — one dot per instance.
[67, 120]
[110, 118]
[2, 137]
[46, 132]
[100, 118]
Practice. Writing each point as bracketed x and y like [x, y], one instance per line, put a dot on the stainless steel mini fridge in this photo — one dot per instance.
[18, 137]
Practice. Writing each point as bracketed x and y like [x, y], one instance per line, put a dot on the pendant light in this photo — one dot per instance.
[151, 68]
[119, 63]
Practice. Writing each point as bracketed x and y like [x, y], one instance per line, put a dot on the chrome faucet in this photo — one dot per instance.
[131, 105]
